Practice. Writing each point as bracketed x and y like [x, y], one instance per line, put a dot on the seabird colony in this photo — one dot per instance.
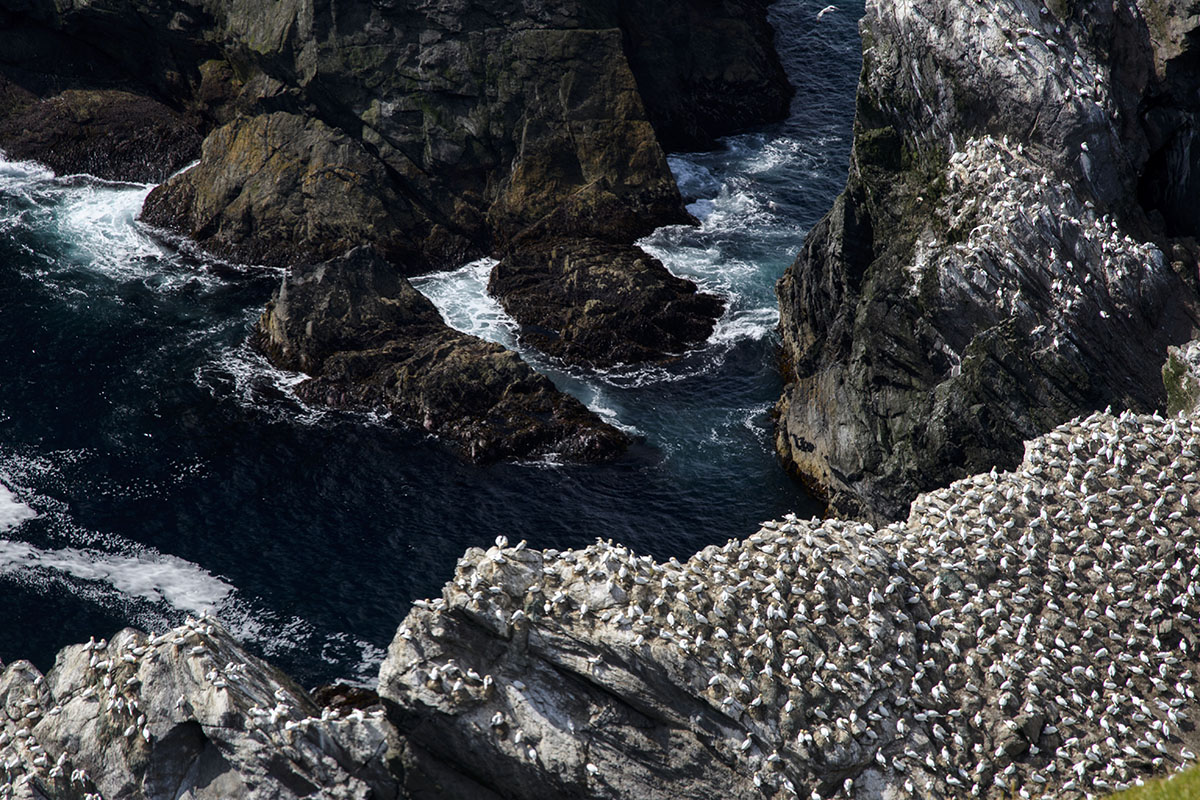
[1021, 634]
[135, 715]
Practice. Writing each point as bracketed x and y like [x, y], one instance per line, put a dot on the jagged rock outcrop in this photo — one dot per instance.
[483, 121]
[599, 304]
[1032, 631]
[108, 133]
[1010, 250]
[187, 713]
[370, 340]
[436, 132]
[468, 129]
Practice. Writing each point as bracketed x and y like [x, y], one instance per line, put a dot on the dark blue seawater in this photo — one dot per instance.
[152, 466]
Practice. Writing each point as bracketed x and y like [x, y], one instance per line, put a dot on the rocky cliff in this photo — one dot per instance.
[434, 132]
[1026, 632]
[1031, 631]
[1012, 248]
[186, 713]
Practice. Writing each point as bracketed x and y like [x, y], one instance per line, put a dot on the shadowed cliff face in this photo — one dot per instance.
[435, 132]
[470, 123]
[1010, 249]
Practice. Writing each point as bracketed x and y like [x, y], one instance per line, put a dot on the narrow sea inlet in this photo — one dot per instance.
[153, 466]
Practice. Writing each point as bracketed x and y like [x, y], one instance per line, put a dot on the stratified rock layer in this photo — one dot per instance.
[598, 304]
[370, 340]
[1002, 258]
[187, 713]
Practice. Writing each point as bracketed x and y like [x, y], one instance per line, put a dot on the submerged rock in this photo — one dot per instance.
[599, 304]
[1003, 258]
[370, 340]
[187, 713]
[1029, 631]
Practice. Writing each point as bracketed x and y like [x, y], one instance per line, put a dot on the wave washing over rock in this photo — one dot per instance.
[1031, 631]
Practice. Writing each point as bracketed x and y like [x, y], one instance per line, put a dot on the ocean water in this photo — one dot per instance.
[153, 466]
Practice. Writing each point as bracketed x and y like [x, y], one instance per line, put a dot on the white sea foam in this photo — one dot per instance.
[12, 511]
[20, 172]
[461, 295]
[694, 179]
[147, 588]
[99, 219]
[157, 578]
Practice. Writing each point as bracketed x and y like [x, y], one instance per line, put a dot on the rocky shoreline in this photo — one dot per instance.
[1012, 253]
[436, 134]
[371, 341]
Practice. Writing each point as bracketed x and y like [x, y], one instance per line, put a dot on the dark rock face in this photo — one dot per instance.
[107, 133]
[282, 189]
[111, 89]
[370, 340]
[599, 304]
[468, 128]
[704, 68]
[480, 124]
[996, 264]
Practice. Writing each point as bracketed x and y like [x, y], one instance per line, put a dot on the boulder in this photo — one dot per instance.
[598, 304]
[369, 340]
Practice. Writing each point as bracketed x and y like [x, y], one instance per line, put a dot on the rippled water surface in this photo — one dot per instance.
[153, 466]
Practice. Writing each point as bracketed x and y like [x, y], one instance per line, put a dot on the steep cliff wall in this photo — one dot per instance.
[1009, 250]
[435, 132]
